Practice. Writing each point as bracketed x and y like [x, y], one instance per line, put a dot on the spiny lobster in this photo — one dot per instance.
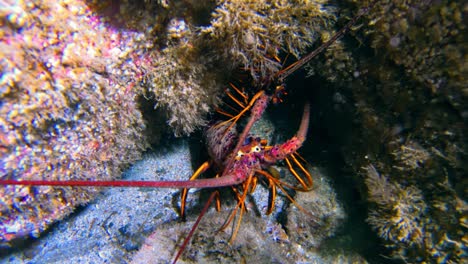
[239, 165]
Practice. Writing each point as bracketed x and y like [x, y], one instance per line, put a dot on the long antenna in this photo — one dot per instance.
[298, 64]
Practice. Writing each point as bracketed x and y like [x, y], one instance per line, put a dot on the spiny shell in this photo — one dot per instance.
[220, 142]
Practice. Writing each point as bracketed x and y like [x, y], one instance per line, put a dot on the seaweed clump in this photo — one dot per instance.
[193, 62]
[405, 205]
[253, 33]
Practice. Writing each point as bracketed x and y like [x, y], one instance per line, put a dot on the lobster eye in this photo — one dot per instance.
[255, 149]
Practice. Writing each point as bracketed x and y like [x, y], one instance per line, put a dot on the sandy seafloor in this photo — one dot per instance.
[116, 223]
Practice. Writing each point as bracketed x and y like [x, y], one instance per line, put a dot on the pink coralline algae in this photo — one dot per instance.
[68, 108]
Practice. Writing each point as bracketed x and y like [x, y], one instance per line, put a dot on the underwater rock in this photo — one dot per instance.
[68, 109]
[319, 215]
[261, 238]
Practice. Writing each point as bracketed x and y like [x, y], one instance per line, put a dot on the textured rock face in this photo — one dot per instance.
[406, 88]
[65, 112]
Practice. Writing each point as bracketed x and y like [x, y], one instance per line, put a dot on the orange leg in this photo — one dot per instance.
[195, 175]
[306, 186]
[274, 182]
[236, 118]
[240, 205]
[240, 103]
[271, 202]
